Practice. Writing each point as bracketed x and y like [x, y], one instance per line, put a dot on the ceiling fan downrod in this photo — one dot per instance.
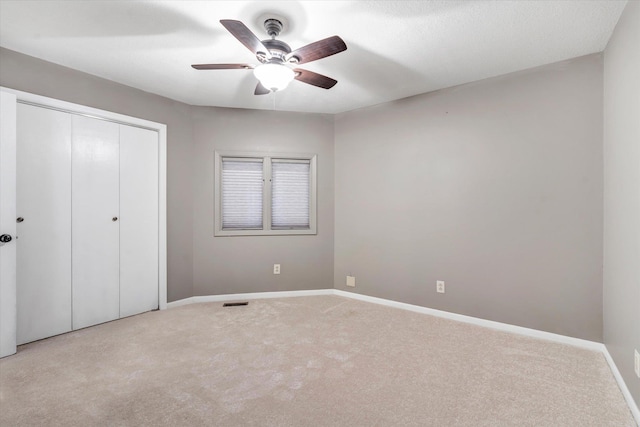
[277, 48]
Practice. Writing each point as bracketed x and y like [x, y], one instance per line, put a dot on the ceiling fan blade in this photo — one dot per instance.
[245, 36]
[222, 66]
[314, 79]
[261, 90]
[318, 50]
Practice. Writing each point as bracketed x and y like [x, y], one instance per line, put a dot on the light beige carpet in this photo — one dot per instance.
[307, 361]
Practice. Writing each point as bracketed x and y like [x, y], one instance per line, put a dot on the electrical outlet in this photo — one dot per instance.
[351, 281]
[276, 268]
[636, 362]
[440, 286]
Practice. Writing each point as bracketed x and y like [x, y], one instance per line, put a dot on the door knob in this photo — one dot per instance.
[114, 219]
[5, 238]
[19, 219]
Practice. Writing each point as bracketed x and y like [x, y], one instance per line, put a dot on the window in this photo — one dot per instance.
[290, 185]
[241, 193]
[264, 194]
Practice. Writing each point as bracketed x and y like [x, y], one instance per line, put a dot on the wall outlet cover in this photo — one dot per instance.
[351, 281]
[276, 268]
[440, 286]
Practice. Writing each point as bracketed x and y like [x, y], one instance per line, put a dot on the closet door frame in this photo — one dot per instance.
[68, 107]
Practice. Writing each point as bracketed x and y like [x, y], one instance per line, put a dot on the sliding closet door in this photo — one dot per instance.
[44, 223]
[138, 220]
[95, 225]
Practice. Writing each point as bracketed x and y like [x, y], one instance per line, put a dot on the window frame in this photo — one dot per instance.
[266, 194]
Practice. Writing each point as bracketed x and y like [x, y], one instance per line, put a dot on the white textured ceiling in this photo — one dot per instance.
[395, 48]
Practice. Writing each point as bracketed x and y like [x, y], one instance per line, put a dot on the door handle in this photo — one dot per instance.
[5, 238]
[114, 219]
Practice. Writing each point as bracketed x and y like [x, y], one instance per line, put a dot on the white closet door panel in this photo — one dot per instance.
[8, 126]
[44, 237]
[138, 220]
[95, 240]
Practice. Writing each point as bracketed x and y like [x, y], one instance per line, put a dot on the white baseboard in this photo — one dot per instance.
[549, 336]
[534, 333]
[623, 386]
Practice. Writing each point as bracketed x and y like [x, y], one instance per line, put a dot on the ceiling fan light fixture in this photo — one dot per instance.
[274, 76]
[277, 62]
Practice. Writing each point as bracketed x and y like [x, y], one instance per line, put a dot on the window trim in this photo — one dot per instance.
[266, 194]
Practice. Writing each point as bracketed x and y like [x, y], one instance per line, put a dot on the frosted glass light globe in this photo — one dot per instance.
[274, 76]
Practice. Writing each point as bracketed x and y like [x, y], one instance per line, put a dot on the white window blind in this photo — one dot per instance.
[260, 194]
[290, 193]
[242, 193]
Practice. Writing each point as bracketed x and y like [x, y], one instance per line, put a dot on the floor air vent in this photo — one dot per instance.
[234, 304]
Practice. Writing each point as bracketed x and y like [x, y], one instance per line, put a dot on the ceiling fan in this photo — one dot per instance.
[275, 70]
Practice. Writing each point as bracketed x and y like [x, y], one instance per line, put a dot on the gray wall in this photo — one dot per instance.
[622, 194]
[222, 264]
[28, 74]
[494, 187]
[245, 263]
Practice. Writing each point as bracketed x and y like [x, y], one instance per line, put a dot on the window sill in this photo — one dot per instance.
[288, 232]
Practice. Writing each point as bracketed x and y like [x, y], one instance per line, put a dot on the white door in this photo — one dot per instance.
[7, 224]
[95, 221]
[138, 220]
[44, 230]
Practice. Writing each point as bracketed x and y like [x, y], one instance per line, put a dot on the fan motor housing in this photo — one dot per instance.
[277, 48]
